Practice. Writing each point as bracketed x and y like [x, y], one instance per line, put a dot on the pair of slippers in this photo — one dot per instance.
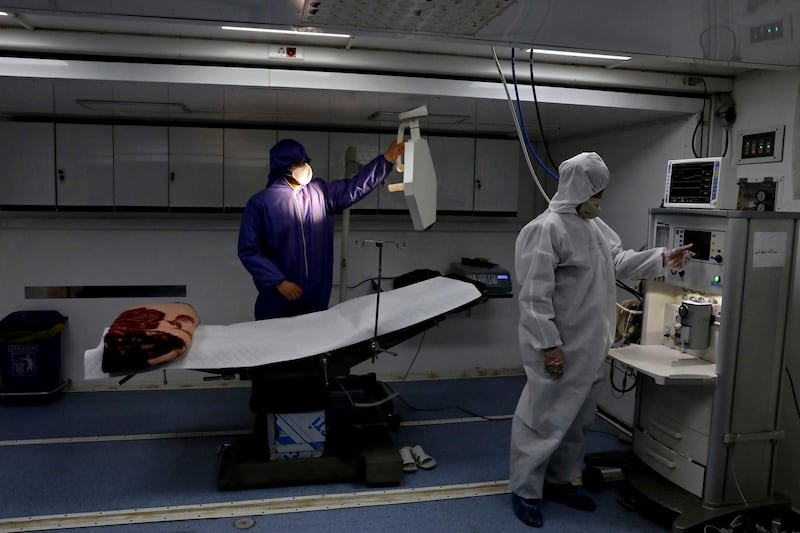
[415, 456]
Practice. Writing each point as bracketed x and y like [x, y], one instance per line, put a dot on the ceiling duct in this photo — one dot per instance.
[433, 118]
[453, 17]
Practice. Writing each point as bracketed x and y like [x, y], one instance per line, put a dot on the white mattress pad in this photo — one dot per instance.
[264, 342]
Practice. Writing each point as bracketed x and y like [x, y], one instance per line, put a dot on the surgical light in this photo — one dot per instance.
[286, 32]
[585, 55]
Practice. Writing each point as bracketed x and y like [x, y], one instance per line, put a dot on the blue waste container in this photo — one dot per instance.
[30, 352]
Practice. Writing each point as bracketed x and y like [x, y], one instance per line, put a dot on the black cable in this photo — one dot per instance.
[630, 290]
[365, 281]
[725, 150]
[700, 122]
[431, 409]
[794, 394]
[539, 114]
[624, 389]
[703, 116]
[694, 134]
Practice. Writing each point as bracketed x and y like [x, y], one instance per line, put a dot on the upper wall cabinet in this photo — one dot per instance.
[195, 167]
[141, 163]
[348, 153]
[454, 161]
[246, 164]
[84, 165]
[26, 175]
[496, 175]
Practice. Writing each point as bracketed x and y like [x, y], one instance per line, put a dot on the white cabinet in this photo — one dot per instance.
[246, 165]
[316, 145]
[363, 147]
[141, 162]
[26, 175]
[496, 175]
[195, 167]
[84, 165]
[454, 161]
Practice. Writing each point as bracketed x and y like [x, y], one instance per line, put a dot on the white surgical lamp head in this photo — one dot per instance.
[419, 175]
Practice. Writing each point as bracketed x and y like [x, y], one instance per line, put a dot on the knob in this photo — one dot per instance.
[683, 311]
[718, 258]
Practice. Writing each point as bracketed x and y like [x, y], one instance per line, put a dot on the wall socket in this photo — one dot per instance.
[285, 52]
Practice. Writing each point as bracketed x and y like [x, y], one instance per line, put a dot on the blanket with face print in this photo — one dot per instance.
[147, 335]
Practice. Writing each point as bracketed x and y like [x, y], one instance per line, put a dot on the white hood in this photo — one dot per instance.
[580, 177]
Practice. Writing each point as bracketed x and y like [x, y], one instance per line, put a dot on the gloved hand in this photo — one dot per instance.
[394, 150]
[554, 362]
[677, 258]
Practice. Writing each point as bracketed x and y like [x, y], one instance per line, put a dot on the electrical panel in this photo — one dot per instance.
[762, 145]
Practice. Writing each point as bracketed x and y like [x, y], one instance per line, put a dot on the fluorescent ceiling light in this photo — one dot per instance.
[130, 106]
[3, 14]
[287, 32]
[33, 62]
[577, 54]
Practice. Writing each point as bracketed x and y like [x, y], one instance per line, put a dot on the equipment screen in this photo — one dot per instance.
[701, 241]
[691, 182]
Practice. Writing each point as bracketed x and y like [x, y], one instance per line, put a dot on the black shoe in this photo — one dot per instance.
[567, 494]
[527, 510]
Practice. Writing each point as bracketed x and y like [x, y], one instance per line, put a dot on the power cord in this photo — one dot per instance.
[624, 388]
[794, 394]
[394, 394]
[444, 408]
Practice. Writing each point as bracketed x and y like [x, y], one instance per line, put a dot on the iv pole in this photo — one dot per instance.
[376, 348]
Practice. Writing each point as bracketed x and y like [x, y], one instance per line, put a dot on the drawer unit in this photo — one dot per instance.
[673, 466]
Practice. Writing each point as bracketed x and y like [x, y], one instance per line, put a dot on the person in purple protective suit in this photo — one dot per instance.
[286, 233]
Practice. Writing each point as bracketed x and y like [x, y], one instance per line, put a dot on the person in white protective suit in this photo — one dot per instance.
[566, 261]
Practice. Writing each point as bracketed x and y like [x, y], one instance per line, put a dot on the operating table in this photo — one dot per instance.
[298, 364]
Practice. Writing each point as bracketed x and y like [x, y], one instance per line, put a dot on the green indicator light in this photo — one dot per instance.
[769, 30]
[716, 279]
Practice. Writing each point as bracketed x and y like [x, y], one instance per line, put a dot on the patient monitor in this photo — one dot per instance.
[419, 175]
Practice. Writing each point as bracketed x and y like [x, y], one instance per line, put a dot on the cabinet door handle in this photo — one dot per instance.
[667, 463]
[172, 176]
[61, 174]
[478, 184]
[665, 430]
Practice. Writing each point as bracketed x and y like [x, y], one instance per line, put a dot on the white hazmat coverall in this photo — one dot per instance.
[567, 267]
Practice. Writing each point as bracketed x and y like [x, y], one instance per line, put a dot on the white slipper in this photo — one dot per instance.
[409, 463]
[423, 460]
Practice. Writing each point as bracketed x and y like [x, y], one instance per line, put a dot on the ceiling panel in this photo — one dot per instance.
[683, 36]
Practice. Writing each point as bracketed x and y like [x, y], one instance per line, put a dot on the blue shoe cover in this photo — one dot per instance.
[529, 513]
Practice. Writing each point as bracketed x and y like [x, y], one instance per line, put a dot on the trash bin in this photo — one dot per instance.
[30, 352]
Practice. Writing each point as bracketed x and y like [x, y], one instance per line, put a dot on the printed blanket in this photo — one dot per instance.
[148, 335]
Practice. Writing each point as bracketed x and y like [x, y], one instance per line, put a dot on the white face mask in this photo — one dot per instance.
[302, 175]
[590, 208]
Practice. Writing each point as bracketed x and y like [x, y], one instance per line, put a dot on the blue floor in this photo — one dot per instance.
[175, 461]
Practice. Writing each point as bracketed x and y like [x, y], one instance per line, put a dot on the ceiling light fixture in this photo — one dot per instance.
[3, 14]
[132, 106]
[287, 32]
[577, 54]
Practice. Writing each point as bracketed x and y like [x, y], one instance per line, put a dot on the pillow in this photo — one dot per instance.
[148, 335]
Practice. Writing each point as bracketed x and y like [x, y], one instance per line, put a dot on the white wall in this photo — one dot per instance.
[764, 99]
[200, 252]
